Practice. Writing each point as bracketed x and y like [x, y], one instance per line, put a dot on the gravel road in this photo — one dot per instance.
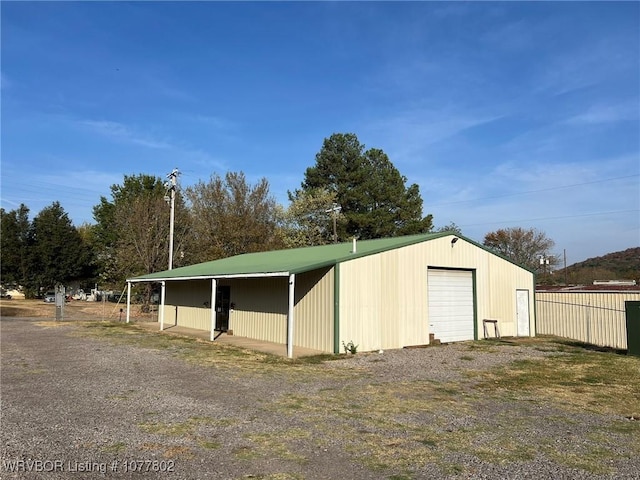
[78, 406]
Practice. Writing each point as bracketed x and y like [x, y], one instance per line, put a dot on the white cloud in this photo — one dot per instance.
[515, 36]
[445, 10]
[82, 180]
[605, 113]
[408, 134]
[123, 133]
[592, 64]
[164, 90]
[219, 123]
[4, 81]
[577, 205]
[202, 159]
[78, 190]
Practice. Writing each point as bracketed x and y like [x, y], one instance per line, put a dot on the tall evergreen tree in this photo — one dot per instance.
[15, 242]
[57, 253]
[371, 192]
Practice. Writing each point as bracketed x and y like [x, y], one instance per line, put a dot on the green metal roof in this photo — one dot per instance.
[284, 262]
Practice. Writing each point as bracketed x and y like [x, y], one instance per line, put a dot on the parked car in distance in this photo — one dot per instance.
[50, 297]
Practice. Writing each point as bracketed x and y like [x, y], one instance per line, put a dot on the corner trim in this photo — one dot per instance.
[336, 309]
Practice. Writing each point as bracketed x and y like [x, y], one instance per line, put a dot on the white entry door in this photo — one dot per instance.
[451, 309]
[522, 312]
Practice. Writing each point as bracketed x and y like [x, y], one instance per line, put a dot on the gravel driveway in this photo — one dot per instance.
[79, 406]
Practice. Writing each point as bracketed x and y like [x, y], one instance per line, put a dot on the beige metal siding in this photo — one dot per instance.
[597, 318]
[496, 279]
[383, 297]
[187, 304]
[390, 299]
[313, 314]
[260, 308]
[361, 302]
[262, 304]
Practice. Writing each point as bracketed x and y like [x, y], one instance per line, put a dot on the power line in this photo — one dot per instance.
[552, 218]
[535, 191]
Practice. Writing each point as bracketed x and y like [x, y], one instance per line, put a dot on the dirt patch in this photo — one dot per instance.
[25, 308]
[73, 310]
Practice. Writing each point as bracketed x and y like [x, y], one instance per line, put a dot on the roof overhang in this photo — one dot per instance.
[209, 277]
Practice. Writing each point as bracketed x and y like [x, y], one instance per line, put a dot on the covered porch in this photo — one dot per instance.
[271, 348]
[213, 303]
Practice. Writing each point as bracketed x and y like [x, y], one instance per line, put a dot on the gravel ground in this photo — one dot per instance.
[75, 406]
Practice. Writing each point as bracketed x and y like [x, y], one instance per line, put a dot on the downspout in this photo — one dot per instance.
[336, 309]
[128, 300]
[292, 290]
[213, 308]
[535, 309]
[475, 305]
[162, 295]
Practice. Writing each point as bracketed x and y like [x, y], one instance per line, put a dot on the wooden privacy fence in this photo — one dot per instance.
[597, 318]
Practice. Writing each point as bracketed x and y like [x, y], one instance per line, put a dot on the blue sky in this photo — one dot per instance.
[505, 114]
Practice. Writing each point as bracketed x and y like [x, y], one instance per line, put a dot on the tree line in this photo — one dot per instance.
[349, 192]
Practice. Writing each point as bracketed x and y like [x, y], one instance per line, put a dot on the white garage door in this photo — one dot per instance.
[451, 304]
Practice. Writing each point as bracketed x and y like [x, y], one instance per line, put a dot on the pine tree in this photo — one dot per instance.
[57, 254]
[371, 192]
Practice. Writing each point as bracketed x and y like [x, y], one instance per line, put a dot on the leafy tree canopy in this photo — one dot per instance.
[522, 246]
[39, 254]
[132, 229]
[370, 191]
[132, 187]
[311, 218]
[451, 227]
[15, 241]
[231, 216]
[58, 254]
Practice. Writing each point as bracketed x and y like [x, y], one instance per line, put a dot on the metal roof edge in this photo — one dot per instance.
[414, 240]
[417, 238]
[207, 277]
[487, 249]
[315, 266]
[401, 243]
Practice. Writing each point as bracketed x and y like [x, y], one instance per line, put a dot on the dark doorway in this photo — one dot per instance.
[223, 300]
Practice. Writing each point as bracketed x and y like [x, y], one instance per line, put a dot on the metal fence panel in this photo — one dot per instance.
[597, 318]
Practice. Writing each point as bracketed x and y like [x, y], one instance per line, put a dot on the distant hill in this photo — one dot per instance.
[624, 265]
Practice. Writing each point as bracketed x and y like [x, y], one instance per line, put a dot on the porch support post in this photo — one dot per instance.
[128, 300]
[292, 290]
[213, 308]
[162, 295]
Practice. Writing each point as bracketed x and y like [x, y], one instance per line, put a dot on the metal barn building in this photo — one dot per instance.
[379, 294]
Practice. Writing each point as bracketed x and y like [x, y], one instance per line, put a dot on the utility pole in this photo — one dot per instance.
[544, 261]
[170, 198]
[334, 211]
